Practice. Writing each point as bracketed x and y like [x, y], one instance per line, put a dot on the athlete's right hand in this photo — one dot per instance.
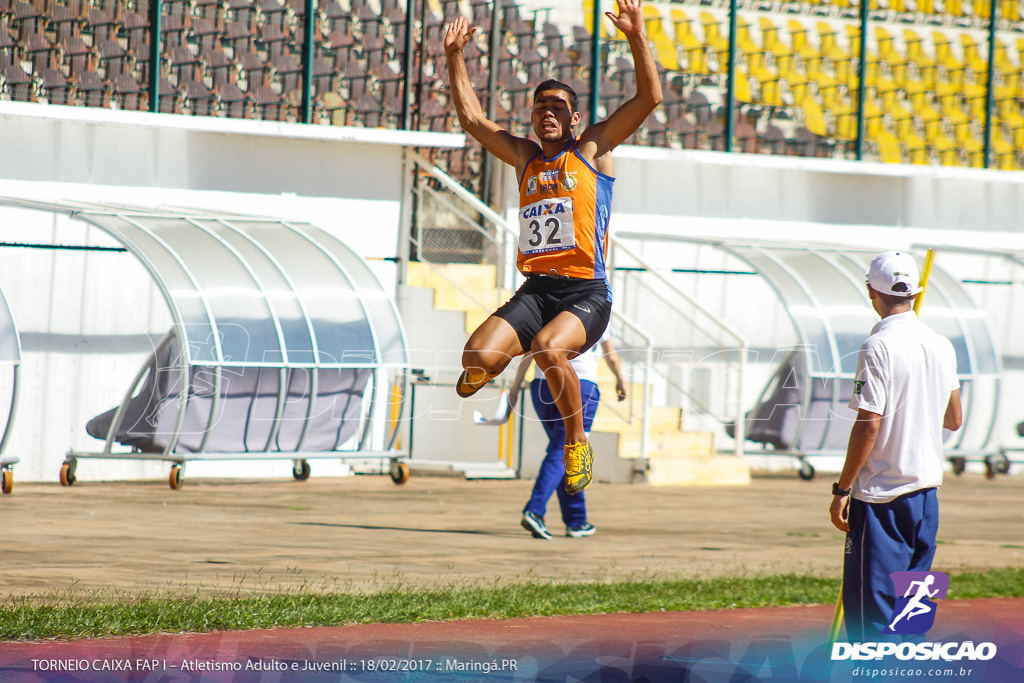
[458, 35]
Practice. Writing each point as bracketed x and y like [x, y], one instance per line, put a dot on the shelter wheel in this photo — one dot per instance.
[67, 474]
[1001, 463]
[806, 471]
[177, 479]
[399, 472]
[990, 469]
[959, 465]
[7, 483]
[301, 470]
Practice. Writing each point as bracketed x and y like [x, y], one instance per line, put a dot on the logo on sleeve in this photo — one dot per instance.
[858, 384]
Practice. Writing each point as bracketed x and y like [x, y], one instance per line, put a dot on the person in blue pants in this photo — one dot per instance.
[552, 471]
[905, 393]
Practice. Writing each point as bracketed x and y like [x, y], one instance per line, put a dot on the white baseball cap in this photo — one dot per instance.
[894, 273]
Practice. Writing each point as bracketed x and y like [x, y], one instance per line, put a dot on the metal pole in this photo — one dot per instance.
[307, 64]
[730, 82]
[595, 62]
[487, 170]
[407, 76]
[155, 7]
[989, 95]
[865, 6]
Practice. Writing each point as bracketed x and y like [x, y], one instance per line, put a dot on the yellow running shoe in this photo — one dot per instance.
[578, 461]
[469, 384]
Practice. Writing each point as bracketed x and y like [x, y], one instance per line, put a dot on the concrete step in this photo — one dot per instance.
[466, 470]
[466, 275]
[714, 470]
[661, 419]
[668, 444]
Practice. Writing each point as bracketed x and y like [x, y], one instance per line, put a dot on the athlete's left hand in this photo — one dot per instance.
[840, 511]
[630, 19]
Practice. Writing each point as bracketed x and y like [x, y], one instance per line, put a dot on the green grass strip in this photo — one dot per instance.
[73, 615]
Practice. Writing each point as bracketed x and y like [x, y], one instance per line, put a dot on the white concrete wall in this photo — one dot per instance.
[88, 317]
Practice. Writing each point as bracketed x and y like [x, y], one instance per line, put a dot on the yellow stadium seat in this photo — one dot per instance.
[814, 117]
[957, 8]
[903, 121]
[916, 53]
[1010, 9]
[664, 47]
[810, 55]
[932, 122]
[944, 55]
[715, 38]
[742, 91]
[797, 84]
[890, 54]
[888, 147]
[771, 87]
[695, 51]
[852, 79]
[845, 117]
[946, 151]
[828, 90]
[973, 59]
[917, 94]
[917, 150]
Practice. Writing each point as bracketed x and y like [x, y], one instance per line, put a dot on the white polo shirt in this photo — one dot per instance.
[905, 373]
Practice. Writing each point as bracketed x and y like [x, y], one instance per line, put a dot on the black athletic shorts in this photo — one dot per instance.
[541, 298]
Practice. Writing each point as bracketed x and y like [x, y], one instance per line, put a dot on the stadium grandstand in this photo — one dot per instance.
[934, 69]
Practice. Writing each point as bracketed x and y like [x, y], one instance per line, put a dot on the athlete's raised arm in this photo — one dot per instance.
[604, 136]
[472, 116]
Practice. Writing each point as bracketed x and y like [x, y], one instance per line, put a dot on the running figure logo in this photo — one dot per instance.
[914, 612]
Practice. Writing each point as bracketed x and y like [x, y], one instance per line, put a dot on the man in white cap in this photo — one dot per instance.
[905, 393]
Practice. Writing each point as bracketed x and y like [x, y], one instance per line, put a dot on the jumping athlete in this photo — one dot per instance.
[565, 189]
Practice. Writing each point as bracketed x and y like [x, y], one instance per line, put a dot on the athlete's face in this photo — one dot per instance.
[553, 117]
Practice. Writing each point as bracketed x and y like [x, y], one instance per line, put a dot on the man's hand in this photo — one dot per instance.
[620, 389]
[457, 36]
[631, 17]
[840, 512]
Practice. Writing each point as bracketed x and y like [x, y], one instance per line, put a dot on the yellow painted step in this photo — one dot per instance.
[451, 299]
[690, 445]
[612, 417]
[717, 470]
[466, 275]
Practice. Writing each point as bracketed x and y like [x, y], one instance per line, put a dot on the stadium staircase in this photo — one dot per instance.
[675, 456]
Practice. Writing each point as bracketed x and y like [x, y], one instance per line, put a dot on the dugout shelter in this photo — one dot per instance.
[10, 365]
[802, 411]
[284, 344]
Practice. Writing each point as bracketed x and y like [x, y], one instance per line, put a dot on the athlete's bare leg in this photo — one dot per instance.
[558, 342]
[491, 347]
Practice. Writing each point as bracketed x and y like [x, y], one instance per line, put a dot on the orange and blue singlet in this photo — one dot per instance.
[564, 210]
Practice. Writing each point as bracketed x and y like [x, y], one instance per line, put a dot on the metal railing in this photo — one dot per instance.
[593, 63]
[741, 346]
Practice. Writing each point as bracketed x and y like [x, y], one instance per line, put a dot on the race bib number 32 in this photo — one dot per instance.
[546, 226]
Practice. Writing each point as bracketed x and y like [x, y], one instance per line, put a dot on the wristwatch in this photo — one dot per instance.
[836, 491]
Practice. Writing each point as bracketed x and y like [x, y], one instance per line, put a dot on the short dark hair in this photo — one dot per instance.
[891, 300]
[552, 84]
